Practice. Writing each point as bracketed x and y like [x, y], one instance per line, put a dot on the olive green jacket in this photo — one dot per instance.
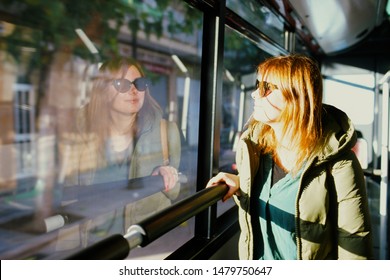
[332, 216]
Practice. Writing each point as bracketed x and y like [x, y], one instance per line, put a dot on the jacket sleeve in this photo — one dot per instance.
[174, 143]
[354, 226]
[247, 161]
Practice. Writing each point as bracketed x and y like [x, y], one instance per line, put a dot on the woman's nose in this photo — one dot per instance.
[132, 89]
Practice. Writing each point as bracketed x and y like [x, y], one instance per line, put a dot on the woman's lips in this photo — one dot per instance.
[132, 101]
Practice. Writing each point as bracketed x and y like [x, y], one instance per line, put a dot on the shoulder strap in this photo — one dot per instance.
[164, 141]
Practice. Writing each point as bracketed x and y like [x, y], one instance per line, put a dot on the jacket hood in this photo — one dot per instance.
[338, 132]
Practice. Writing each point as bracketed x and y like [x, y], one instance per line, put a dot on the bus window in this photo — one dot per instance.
[237, 104]
[260, 15]
[343, 83]
[70, 174]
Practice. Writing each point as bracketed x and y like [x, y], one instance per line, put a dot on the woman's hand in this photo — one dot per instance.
[169, 174]
[231, 180]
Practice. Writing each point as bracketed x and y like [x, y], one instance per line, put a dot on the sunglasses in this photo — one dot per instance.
[265, 88]
[123, 85]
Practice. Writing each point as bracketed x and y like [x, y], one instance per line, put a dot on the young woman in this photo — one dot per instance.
[300, 189]
[122, 136]
[122, 121]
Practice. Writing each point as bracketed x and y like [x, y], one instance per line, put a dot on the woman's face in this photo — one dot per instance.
[268, 102]
[130, 100]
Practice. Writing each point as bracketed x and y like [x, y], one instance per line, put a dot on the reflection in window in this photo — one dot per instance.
[78, 123]
[237, 105]
[259, 16]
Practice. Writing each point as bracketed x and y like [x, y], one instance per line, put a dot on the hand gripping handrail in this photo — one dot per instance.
[118, 246]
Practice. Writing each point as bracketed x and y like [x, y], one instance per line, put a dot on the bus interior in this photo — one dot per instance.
[200, 57]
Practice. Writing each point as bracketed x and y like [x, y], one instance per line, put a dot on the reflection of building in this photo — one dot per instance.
[24, 125]
[17, 121]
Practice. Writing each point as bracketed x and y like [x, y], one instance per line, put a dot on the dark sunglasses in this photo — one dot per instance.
[265, 88]
[123, 85]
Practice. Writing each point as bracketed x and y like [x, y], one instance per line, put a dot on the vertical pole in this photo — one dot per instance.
[210, 100]
[384, 171]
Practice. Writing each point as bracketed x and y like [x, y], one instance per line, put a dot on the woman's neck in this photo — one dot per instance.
[121, 124]
[121, 131]
[283, 139]
[285, 156]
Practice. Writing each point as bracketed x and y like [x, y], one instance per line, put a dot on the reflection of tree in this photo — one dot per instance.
[240, 49]
[48, 26]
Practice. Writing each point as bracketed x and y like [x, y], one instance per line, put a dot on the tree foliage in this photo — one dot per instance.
[48, 26]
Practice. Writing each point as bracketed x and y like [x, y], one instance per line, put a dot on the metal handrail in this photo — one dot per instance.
[118, 247]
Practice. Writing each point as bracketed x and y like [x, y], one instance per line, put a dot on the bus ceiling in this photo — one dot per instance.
[333, 26]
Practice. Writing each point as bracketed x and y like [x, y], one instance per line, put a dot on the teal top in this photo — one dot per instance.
[277, 214]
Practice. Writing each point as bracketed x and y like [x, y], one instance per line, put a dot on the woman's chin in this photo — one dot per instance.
[260, 117]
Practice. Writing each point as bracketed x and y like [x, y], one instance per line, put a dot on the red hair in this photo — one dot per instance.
[300, 81]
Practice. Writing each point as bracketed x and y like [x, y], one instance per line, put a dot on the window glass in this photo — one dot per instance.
[84, 86]
[260, 17]
[300, 47]
[340, 89]
[237, 103]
